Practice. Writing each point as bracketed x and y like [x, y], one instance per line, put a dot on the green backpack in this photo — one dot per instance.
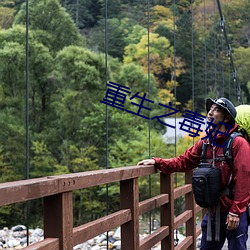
[243, 119]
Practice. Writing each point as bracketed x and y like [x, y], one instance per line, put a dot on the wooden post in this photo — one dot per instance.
[58, 219]
[190, 205]
[167, 210]
[129, 197]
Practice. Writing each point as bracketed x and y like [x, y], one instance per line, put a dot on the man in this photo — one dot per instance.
[221, 114]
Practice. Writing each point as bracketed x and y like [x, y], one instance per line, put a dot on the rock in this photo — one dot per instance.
[18, 234]
[95, 248]
[103, 243]
[18, 228]
[117, 244]
[3, 233]
[23, 240]
[38, 232]
[111, 233]
[16, 238]
[117, 234]
[81, 246]
[91, 242]
[100, 238]
[18, 247]
[13, 243]
[111, 239]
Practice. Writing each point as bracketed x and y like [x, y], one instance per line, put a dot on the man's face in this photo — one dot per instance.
[216, 113]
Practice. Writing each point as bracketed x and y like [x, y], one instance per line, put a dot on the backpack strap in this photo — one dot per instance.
[203, 155]
[227, 150]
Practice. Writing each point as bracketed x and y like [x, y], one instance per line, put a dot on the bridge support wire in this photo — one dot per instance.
[27, 204]
[229, 54]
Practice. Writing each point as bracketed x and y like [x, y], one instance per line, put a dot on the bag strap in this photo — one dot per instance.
[203, 152]
[217, 223]
[209, 225]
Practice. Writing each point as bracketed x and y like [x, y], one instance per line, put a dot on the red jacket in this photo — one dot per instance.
[241, 168]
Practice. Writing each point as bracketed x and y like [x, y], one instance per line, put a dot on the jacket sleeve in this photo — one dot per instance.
[185, 162]
[241, 175]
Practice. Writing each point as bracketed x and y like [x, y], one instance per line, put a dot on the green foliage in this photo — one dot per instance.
[72, 63]
[12, 59]
[53, 25]
[13, 148]
[133, 76]
[42, 162]
[242, 63]
[118, 30]
[84, 13]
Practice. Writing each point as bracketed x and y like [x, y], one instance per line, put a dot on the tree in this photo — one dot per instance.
[161, 58]
[84, 13]
[161, 16]
[40, 60]
[242, 64]
[53, 25]
[117, 32]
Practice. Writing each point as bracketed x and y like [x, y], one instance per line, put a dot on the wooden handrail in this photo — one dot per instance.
[58, 208]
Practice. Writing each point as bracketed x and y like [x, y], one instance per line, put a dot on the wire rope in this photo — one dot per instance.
[215, 52]
[107, 121]
[192, 71]
[205, 49]
[222, 68]
[192, 37]
[149, 123]
[236, 83]
[27, 207]
[175, 94]
[174, 71]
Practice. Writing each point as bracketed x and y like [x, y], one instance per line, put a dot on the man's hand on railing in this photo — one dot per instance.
[146, 162]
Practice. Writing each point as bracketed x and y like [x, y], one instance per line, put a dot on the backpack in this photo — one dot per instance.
[243, 119]
[206, 179]
[206, 185]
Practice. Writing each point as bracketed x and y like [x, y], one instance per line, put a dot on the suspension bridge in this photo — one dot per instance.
[56, 192]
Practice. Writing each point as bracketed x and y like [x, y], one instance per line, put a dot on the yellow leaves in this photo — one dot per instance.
[160, 12]
[159, 53]
[189, 105]
[171, 85]
[161, 16]
[166, 96]
[179, 66]
[6, 17]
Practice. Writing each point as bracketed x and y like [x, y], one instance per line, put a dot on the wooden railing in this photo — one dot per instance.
[59, 232]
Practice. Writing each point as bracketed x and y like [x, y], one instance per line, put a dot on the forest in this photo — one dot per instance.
[55, 71]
